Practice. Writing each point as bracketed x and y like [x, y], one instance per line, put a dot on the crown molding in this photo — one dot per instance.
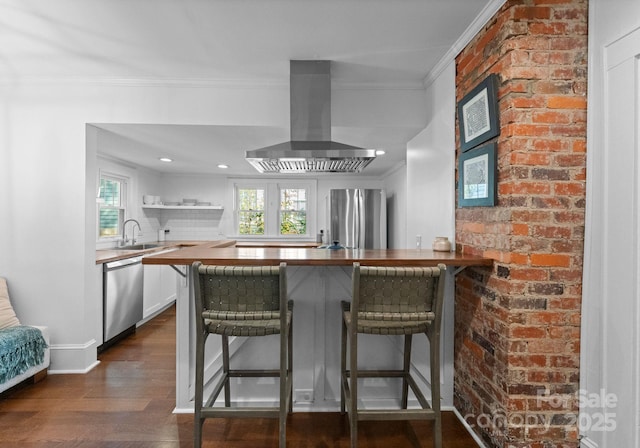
[186, 82]
[144, 81]
[474, 28]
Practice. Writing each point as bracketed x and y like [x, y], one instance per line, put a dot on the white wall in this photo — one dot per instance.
[48, 172]
[430, 200]
[196, 224]
[610, 322]
[395, 185]
[430, 166]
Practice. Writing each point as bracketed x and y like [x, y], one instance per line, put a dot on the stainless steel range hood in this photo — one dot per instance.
[310, 148]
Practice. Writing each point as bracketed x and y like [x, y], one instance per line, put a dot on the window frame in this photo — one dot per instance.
[237, 209]
[272, 188]
[125, 182]
[281, 188]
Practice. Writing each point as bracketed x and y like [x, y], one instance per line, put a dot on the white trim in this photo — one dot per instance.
[472, 30]
[73, 355]
[258, 83]
[76, 371]
[469, 430]
[619, 50]
[84, 346]
[207, 83]
[612, 142]
[586, 442]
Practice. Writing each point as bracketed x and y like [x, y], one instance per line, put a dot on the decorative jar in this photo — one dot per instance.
[442, 244]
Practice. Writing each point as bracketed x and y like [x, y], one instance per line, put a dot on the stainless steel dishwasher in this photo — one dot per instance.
[122, 298]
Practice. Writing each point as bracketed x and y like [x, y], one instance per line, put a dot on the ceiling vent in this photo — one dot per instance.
[310, 149]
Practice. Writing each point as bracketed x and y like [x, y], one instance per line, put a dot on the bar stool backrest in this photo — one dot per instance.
[379, 293]
[240, 292]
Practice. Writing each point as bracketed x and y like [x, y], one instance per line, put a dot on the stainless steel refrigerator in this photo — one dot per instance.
[358, 218]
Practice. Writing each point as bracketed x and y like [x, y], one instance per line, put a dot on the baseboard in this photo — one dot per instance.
[74, 371]
[469, 429]
[73, 358]
[157, 310]
[586, 442]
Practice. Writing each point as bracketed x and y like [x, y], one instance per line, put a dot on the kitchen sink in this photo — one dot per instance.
[138, 246]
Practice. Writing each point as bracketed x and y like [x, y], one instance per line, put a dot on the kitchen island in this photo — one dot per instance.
[317, 280]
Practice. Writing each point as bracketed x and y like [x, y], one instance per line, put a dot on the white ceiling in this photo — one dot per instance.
[394, 43]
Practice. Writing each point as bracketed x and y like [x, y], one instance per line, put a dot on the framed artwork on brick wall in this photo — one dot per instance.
[478, 114]
[477, 177]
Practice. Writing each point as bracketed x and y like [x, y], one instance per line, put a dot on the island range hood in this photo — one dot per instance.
[311, 149]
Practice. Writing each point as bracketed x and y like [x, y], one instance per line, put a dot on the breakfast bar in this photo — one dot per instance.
[318, 279]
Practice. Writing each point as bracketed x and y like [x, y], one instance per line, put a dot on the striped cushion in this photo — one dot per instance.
[8, 317]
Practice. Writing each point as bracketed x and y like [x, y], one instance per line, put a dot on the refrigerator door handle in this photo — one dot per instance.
[360, 228]
[357, 222]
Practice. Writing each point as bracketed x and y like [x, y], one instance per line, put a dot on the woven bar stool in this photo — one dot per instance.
[393, 301]
[241, 301]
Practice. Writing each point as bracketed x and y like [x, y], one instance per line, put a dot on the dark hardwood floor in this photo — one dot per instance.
[127, 401]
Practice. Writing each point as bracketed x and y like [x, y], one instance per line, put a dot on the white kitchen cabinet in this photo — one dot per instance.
[160, 289]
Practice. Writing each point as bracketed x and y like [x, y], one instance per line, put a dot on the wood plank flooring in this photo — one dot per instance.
[127, 402]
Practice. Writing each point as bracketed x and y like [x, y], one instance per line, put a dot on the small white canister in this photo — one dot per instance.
[441, 244]
[161, 235]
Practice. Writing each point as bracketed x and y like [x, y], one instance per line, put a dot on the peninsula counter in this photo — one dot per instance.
[317, 280]
[313, 257]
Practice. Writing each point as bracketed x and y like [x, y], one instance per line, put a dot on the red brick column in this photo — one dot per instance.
[517, 329]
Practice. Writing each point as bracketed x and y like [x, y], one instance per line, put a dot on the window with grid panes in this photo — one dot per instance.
[273, 208]
[251, 211]
[111, 206]
[293, 211]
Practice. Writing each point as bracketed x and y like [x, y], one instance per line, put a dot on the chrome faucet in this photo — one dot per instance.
[133, 231]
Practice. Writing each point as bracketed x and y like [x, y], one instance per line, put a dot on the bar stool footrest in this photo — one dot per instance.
[247, 412]
[388, 374]
[401, 414]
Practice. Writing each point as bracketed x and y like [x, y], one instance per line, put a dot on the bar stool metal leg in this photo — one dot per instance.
[434, 347]
[225, 370]
[398, 301]
[405, 369]
[235, 301]
[343, 364]
[199, 392]
[290, 365]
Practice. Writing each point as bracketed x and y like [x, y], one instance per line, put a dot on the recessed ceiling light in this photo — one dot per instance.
[223, 166]
[166, 159]
[379, 152]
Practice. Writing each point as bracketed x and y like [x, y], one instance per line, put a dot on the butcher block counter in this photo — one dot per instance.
[254, 256]
[108, 255]
[317, 280]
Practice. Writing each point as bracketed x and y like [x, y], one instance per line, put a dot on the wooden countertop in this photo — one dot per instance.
[108, 255]
[282, 244]
[251, 256]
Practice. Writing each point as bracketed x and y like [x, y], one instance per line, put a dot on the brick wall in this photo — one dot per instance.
[517, 329]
